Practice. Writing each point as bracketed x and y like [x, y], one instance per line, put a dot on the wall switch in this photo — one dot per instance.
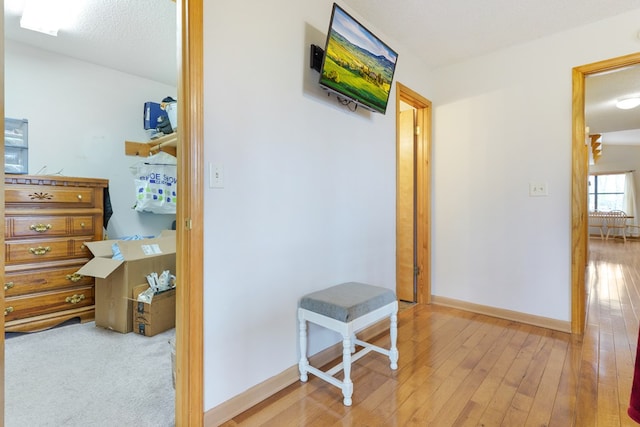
[216, 176]
[537, 189]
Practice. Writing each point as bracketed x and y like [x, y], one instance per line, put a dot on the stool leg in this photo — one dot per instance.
[393, 350]
[303, 363]
[347, 385]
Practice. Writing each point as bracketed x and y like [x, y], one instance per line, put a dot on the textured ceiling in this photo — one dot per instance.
[139, 37]
[443, 32]
[602, 116]
[134, 36]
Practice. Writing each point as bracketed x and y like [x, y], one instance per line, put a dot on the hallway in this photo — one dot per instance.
[463, 369]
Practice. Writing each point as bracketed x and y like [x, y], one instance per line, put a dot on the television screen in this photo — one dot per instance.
[357, 65]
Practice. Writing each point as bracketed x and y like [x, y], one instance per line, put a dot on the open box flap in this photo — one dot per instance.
[167, 233]
[100, 267]
[101, 248]
[135, 249]
[139, 249]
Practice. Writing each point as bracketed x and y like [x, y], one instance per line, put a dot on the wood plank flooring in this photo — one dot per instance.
[463, 369]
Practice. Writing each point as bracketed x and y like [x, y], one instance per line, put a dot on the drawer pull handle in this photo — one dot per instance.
[8, 285]
[39, 250]
[75, 277]
[40, 228]
[79, 196]
[82, 225]
[75, 298]
[8, 310]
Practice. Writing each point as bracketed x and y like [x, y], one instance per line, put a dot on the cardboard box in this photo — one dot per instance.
[115, 279]
[158, 316]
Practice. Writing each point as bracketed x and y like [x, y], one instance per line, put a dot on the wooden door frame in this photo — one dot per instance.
[189, 218]
[2, 254]
[579, 195]
[423, 186]
[189, 404]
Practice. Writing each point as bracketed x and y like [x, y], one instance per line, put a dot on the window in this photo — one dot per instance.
[606, 192]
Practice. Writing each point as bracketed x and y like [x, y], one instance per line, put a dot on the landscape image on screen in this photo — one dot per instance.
[357, 64]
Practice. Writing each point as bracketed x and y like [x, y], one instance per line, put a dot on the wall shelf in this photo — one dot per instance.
[167, 143]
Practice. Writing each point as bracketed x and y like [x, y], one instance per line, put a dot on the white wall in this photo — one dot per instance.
[618, 158]
[79, 116]
[309, 187]
[501, 121]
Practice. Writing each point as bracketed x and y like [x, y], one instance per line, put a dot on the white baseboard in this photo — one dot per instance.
[256, 394]
[516, 316]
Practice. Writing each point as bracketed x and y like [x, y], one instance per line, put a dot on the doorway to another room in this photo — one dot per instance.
[413, 200]
[579, 192]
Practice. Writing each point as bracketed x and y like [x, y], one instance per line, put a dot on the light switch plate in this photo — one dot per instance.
[537, 189]
[216, 176]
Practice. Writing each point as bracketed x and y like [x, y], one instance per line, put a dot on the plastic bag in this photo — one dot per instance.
[156, 182]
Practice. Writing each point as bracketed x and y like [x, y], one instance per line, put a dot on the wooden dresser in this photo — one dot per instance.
[47, 221]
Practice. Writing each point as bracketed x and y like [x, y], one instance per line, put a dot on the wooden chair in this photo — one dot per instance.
[617, 223]
[598, 220]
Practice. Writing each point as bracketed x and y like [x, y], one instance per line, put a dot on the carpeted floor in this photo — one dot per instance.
[83, 375]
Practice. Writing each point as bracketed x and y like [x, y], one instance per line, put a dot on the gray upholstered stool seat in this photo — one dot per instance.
[346, 309]
[348, 301]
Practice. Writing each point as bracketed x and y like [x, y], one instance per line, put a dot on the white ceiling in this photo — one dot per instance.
[134, 36]
[621, 127]
[139, 37]
[443, 32]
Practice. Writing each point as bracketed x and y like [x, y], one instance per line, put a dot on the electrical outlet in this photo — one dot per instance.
[537, 189]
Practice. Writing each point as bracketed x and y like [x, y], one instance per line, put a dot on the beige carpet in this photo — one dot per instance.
[83, 375]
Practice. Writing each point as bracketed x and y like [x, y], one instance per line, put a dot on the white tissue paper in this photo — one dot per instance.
[157, 284]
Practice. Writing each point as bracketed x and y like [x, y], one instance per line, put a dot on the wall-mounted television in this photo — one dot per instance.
[357, 65]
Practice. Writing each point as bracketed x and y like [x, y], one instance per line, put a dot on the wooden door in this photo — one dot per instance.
[406, 221]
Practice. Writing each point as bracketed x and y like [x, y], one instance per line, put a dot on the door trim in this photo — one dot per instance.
[423, 186]
[189, 218]
[2, 250]
[579, 195]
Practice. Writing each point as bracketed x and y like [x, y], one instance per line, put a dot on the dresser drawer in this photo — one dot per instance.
[50, 196]
[42, 226]
[43, 280]
[49, 302]
[47, 220]
[27, 251]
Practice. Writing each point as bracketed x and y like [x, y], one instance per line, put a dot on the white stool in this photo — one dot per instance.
[346, 309]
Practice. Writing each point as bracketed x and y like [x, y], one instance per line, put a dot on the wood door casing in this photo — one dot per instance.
[190, 217]
[422, 204]
[579, 197]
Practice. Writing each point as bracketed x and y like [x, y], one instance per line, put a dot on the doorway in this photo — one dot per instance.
[189, 409]
[413, 200]
[580, 171]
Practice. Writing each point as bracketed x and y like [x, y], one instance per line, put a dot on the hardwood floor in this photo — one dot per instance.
[463, 369]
